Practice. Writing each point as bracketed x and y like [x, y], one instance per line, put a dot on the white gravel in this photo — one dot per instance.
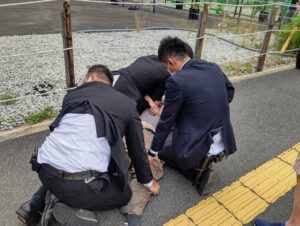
[19, 75]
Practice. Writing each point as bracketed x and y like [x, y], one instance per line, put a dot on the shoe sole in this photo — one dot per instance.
[208, 187]
[21, 216]
[65, 216]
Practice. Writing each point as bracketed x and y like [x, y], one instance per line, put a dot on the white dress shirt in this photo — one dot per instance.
[73, 146]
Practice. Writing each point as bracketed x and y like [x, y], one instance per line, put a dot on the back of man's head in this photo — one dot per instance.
[101, 72]
[174, 47]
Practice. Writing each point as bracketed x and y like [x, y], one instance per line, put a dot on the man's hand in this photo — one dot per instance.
[150, 158]
[154, 109]
[155, 188]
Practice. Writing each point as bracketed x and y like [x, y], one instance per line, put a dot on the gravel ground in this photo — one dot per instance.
[29, 76]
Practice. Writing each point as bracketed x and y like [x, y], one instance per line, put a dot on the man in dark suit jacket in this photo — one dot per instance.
[196, 108]
[82, 161]
[143, 81]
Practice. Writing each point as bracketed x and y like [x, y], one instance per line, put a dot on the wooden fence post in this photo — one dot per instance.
[68, 44]
[266, 42]
[201, 32]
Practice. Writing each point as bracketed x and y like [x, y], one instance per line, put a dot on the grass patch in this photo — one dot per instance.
[237, 68]
[47, 113]
[7, 99]
[281, 37]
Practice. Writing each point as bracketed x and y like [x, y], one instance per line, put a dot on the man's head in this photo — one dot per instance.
[99, 73]
[173, 53]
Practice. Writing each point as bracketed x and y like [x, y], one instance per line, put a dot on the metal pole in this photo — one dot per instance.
[68, 43]
[201, 32]
[266, 42]
[153, 9]
[235, 10]
[282, 15]
[240, 12]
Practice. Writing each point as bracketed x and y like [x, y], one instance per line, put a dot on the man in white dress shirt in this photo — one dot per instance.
[82, 162]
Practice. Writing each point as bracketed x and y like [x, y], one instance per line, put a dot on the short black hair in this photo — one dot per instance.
[173, 46]
[102, 71]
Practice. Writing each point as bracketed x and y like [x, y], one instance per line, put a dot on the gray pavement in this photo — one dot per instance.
[265, 117]
[45, 18]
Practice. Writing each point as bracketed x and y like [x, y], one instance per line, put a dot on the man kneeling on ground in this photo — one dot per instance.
[196, 111]
[83, 162]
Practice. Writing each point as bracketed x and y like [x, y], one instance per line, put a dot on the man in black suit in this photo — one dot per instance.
[82, 162]
[143, 81]
[196, 108]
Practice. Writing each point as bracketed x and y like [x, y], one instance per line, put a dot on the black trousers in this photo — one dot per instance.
[98, 194]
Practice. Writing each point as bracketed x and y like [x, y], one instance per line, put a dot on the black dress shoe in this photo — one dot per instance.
[47, 218]
[133, 220]
[68, 216]
[29, 214]
[204, 183]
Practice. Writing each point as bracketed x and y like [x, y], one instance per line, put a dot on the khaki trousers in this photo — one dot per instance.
[140, 194]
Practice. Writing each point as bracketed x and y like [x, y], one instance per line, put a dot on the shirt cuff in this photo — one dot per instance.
[148, 185]
[152, 152]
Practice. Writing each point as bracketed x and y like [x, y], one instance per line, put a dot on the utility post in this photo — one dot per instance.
[266, 42]
[201, 32]
[68, 44]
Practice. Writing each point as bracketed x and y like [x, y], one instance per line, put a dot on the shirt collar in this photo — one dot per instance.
[184, 64]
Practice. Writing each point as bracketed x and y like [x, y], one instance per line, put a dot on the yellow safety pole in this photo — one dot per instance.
[289, 39]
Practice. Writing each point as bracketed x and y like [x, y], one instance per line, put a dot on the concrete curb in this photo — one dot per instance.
[235, 79]
[25, 130]
[43, 126]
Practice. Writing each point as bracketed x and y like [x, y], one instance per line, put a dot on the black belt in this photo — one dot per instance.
[71, 176]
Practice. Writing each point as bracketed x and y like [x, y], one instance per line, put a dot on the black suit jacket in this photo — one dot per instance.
[196, 107]
[115, 116]
[145, 76]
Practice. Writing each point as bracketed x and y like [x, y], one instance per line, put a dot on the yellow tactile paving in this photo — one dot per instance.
[210, 212]
[244, 199]
[181, 220]
[271, 180]
[241, 202]
[297, 147]
[289, 156]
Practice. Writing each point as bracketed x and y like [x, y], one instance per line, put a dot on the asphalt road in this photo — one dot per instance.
[265, 115]
[45, 18]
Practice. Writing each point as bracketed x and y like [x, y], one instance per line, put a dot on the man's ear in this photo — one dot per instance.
[172, 61]
[84, 79]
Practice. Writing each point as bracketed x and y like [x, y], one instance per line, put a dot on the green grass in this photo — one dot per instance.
[281, 37]
[47, 113]
[8, 99]
[237, 68]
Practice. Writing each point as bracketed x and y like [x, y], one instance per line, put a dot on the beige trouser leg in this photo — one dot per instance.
[140, 194]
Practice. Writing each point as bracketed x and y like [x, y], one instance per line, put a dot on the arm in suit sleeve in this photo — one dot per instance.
[173, 103]
[136, 148]
[230, 89]
[158, 92]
